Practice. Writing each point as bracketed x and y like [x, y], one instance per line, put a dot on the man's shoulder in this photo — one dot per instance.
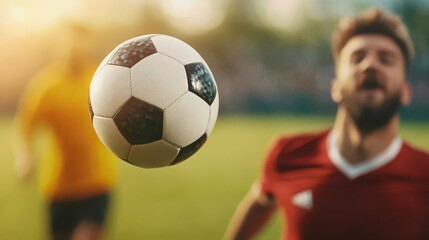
[46, 78]
[413, 161]
[415, 152]
[297, 142]
[39, 86]
[299, 150]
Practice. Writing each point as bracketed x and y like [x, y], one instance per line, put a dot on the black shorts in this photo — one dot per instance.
[66, 215]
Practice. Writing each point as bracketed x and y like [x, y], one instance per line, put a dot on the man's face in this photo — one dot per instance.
[371, 80]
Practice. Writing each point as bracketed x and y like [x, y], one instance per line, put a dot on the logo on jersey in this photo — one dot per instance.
[303, 199]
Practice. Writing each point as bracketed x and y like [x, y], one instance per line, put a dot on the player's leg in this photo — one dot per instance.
[62, 236]
[62, 220]
[88, 231]
[92, 213]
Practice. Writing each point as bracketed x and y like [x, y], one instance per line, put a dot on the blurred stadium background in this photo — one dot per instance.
[271, 60]
[267, 56]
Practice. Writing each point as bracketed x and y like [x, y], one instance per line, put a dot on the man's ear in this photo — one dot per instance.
[407, 94]
[336, 94]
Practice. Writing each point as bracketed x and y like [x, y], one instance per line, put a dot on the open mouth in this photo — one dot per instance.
[371, 86]
[371, 83]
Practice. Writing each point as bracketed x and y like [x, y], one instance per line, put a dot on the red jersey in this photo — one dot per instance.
[321, 196]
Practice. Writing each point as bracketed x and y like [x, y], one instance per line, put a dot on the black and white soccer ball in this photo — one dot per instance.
[153, 101]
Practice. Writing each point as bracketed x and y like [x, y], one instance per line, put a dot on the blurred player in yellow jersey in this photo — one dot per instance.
[77, 178]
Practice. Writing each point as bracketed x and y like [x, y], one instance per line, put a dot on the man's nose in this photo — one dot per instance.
[370, 62]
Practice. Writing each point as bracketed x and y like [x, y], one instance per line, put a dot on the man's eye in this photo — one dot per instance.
[386, 59]
[357, 57]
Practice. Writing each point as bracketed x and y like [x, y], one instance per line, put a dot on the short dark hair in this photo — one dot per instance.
[373, 21]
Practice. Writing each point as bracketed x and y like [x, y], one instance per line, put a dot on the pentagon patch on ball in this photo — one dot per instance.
[131, 52]
[200, 81]
[153, 101]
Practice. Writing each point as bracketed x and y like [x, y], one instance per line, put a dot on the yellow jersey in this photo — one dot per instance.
[78, 165]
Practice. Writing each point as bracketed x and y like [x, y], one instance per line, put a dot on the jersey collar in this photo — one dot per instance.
[353, 171]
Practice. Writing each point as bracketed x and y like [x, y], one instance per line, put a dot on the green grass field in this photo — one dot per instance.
[193, 200]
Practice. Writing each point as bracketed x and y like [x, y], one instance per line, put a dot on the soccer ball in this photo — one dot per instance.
[153, 101]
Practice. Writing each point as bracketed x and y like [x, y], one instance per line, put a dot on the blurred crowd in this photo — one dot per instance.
[267, 56]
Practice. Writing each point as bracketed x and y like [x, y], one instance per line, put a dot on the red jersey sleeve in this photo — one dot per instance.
[269, 171]
[288, 153]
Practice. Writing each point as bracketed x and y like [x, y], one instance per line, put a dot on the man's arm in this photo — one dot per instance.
[24, 157]
[26, 121]
[251, 215]
[23, 145]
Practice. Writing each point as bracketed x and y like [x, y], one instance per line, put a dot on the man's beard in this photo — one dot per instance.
[370, 118]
